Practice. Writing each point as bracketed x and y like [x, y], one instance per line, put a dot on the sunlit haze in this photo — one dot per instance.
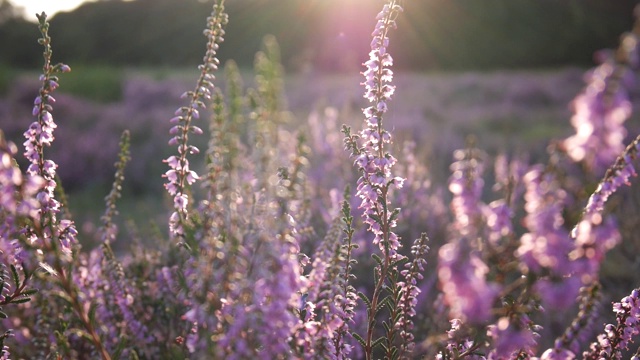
[31, 7]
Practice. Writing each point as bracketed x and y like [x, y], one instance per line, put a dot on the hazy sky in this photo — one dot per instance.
[50, 7]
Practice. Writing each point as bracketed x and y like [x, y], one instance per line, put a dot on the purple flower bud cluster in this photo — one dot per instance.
[547, 243]
[601, 110]
[567, 345]
[513, 337]
[325, 296]
[180, 176]
[459, 343]
[17, 200]
[617, 175]
[462, 275]
[565, 261]
[38, 136]
[466, 185]
[409, 293]
[616, 338]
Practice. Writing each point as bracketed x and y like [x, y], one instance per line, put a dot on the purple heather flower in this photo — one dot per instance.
[38, 136]
[373, 160]
[466, 185]
[594, 236]
[599, 114]
[547, 244]
[458, 343]
[617, 175]
[410, 291]
[618, 337]
[512, 336]
[179, 175]
[462, 276]
[499, 217]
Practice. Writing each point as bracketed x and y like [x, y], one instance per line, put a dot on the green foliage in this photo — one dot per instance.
[432, 34]
[6, 78]
[98, 83]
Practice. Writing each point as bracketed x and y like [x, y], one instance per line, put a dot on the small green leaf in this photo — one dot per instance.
[394, 352]
[386, 327]
[16, 278]
[92, 313]
[364, 298]
[382, 304]
[20, 300]
[400, 262]
[30, 292]
[376, 218]
[359, 339]
[377, 342]
[377, 258]
[397, 317]
[3, 315]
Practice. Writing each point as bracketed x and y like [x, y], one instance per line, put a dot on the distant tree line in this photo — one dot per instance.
[328, 34]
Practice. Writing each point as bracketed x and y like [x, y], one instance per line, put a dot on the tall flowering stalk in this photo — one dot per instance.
[180, 176]
[53, 238]
[376, 181]
[109, 229]
[409, 294]
[38, 137]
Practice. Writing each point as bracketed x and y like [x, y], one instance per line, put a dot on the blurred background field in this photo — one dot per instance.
[503, 71]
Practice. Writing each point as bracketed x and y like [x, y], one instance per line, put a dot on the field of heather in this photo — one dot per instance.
[504, 111]
[250, 213]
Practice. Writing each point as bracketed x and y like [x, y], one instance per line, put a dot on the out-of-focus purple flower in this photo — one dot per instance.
[466, 185]
[594, 236]
[458, 343]
[599, 114]
[547, 244]
[499, 217]
[462, 276]
[512, 336]
[17, 200]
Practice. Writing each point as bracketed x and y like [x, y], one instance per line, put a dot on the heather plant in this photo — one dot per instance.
[264, 258]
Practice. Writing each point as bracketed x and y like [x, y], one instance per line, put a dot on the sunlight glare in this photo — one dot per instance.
[50, 7]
